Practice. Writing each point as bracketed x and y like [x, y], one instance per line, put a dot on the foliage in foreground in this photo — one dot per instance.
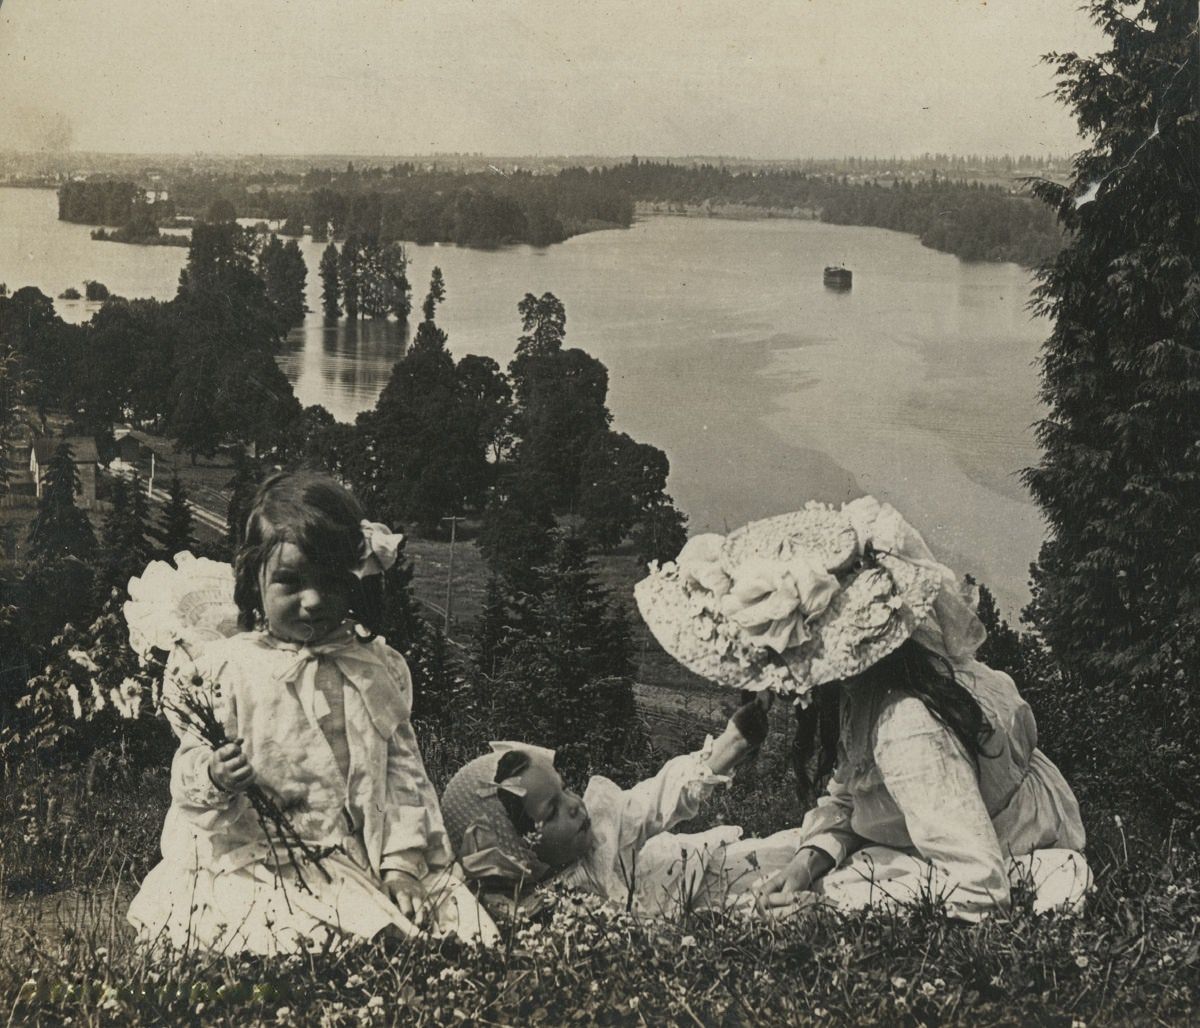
[1131, 959]
[90, 835]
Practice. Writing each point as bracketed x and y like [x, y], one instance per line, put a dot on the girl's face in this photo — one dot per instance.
[561, 817]
[302, 600]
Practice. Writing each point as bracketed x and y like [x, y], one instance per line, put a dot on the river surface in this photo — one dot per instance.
[723, 348]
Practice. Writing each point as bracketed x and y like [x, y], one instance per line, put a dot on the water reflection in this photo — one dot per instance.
[342, 364]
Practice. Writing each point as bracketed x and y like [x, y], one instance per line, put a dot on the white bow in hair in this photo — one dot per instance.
[511, 785]
[381, 546]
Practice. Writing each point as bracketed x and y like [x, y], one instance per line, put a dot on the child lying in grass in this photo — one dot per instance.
[514, 825]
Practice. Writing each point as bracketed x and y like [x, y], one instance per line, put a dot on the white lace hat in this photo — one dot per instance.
[791, 602]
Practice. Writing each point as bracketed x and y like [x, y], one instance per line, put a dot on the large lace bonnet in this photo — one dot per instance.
[483, 836]
[791, 602]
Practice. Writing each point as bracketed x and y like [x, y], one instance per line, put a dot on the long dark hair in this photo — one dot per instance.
[910, 669]
[322, 519]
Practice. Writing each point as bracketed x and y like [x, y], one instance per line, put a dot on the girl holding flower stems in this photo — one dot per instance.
[303, 715]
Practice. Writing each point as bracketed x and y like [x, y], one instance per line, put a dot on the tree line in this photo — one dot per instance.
[200, 367]
[407, 204]
[965, 218]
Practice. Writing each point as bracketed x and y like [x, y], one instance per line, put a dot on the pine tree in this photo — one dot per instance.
[60, 529]
[175, 530]
[488, 642]
[565, 677]
[124, 549]
[1117, 583]
[394, 267]
[436, 294]
[331, 289]
[242, 487]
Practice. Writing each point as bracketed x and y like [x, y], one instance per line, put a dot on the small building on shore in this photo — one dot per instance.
[128, 447]
[83, 454]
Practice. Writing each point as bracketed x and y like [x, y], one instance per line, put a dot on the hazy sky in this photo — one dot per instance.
[767, 78]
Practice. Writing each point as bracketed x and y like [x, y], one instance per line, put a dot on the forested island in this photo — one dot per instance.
[990, 216]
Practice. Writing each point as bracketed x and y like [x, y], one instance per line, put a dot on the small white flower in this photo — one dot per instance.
[354, 981]
[1082, 961]
[283, 1013]
[928, 989]
[634, 1003]
[899, 983]
[375, 1003]
[83, 659]
[687, 940]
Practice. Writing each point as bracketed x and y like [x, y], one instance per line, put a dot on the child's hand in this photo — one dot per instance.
[750, 719]
[229, 769]
[407, 893]
[744, 734]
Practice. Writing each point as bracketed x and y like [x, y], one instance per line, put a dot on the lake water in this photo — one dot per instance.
[723, 348]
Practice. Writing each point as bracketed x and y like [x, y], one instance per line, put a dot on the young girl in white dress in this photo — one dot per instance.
[316, 709]
[514, 825]
[939, 791]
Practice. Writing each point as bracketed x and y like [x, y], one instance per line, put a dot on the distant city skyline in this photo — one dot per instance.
[785, 79]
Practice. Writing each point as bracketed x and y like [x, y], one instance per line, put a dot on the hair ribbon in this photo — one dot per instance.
[381, 547]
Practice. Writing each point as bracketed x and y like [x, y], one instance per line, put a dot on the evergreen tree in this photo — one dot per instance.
[436, 294]
[242, 487]
[124, 549]
[491, 628]
[1117, 583]
[566, 678]
[331, 289]
[60, 529]
[175, 530]
[560, 400]
[394, 266]
[1002, 649]
[283, 271]
[427, 455]
[350, 275]
[516, 534]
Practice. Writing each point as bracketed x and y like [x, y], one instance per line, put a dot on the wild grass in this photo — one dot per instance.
[72, 851]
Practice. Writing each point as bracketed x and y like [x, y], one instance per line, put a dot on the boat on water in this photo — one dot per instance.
[837, 277]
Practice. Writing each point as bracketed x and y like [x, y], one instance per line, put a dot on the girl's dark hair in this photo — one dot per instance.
[910, 669]
[322, 519]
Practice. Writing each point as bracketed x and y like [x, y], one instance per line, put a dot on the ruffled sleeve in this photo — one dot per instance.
[624, 819]
[414, 837]
[933, 782]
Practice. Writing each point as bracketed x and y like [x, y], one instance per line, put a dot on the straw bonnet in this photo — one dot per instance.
[483, 836]
[791, 602]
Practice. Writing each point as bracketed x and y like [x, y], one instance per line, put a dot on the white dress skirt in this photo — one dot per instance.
[261, 909]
